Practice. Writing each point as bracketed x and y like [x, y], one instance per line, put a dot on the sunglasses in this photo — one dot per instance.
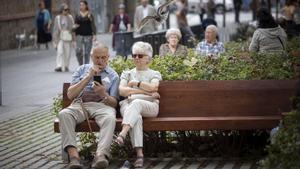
[66, 9]
[140, 56]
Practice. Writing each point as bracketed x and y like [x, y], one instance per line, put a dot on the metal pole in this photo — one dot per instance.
[277, 9]
[224, 14]
[0, 80]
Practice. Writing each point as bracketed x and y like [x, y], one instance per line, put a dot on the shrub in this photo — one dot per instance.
[284, 150]
[243, 33]
[56, 105]
[235, 64]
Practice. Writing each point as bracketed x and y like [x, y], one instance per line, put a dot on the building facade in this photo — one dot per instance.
[17, 17]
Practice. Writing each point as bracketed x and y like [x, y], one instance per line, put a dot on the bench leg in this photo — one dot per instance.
[64, 155]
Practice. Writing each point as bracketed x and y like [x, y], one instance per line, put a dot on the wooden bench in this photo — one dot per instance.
[207, 105]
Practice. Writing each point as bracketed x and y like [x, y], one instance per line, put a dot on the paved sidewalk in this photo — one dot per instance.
[28, 142]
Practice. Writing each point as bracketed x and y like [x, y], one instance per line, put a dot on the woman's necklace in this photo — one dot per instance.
[85, 13]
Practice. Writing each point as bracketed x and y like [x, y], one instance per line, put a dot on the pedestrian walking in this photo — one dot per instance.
[120, 23]
[143, 10]
[297, 17]
[63, 38]
[211, 9]
[182, 9]
[288, 14]
[85, 31]
[43, 25]
[237, 8]
[202, 10]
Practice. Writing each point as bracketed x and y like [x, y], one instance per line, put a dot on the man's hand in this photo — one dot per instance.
[133, 83]
[94, 70]
[99, 89]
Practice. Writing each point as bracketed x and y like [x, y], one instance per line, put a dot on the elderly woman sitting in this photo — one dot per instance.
[210, 46]
[139, 86]
[173, 36]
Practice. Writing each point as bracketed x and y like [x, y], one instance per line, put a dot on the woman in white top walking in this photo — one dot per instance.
[63, 38]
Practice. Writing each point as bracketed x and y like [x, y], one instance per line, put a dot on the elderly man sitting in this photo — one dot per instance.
[210, 46]
[91, 99]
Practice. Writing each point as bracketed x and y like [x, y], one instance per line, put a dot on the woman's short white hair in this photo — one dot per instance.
[143, 48]
[213, 28]
[173, 31]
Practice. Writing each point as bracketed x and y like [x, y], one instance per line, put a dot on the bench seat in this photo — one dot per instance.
[192, 123]
[207, 105]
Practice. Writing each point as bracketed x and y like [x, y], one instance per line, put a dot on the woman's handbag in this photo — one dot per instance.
[65, 35]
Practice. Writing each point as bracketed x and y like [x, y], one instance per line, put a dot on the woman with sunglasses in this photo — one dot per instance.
[63, 38]
[140, 88]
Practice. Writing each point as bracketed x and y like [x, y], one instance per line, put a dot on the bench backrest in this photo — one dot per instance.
[222, 98]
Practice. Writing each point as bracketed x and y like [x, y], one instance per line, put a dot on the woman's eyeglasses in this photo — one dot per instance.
[140, 56]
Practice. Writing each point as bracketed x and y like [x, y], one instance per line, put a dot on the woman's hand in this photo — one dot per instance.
[133, 83]
[155, 95]
[75, 26]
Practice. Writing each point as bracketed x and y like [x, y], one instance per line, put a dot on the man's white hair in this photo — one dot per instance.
[213, 28]
[99, 46]
[173, 31]
[143, 48]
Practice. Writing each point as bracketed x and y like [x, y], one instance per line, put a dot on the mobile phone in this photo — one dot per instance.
[98, 79]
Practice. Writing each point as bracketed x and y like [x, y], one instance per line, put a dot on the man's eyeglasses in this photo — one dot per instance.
[101, 57]
[140, 56]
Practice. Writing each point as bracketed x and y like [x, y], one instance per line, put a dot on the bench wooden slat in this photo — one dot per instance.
[192, 123]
